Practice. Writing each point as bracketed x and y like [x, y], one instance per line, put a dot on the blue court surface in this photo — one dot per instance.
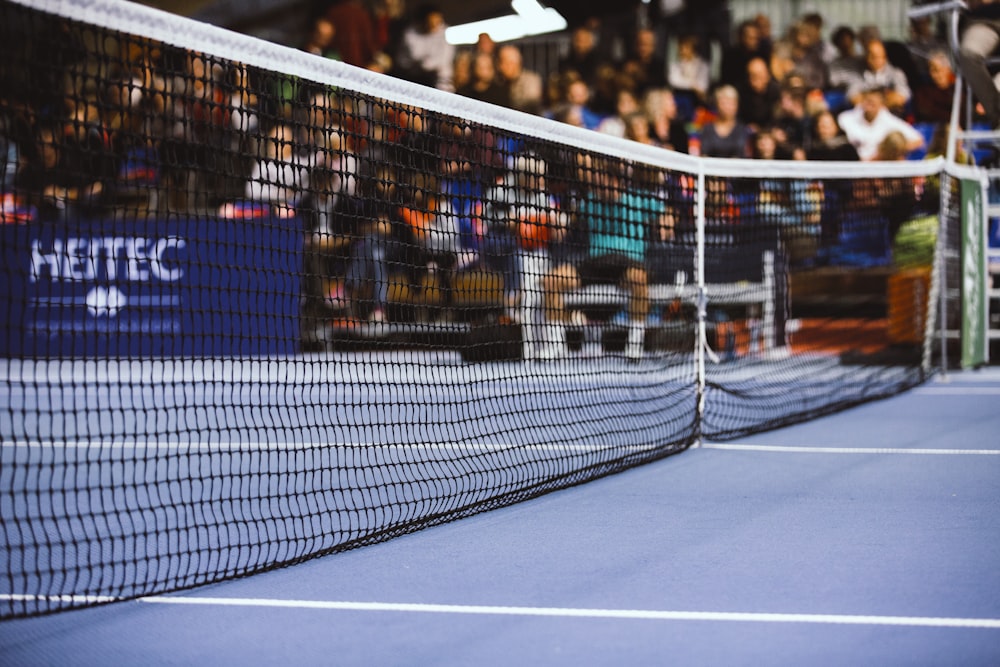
[870, 537]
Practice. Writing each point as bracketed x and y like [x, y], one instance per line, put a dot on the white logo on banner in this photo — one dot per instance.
[133, 259]
[105, 301]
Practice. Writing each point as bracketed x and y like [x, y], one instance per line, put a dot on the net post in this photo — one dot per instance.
[701, 338]
[937, 317]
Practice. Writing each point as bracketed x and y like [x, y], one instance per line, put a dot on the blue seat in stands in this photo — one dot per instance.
[836, 100]
[926, 130]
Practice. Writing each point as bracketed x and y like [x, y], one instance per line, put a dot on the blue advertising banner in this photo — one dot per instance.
[183, 286]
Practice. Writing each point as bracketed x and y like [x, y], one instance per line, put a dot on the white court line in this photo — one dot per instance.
[953, 390]
[551, 612]
[849, 450]
[560, 612]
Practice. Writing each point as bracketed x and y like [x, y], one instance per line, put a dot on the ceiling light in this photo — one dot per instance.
[530, 18]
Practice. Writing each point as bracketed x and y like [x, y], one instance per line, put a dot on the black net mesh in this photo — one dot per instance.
[252, 317]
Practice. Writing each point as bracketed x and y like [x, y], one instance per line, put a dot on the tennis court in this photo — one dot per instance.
[869, 537]
[536, 372]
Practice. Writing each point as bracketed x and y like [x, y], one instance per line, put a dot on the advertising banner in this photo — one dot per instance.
[974, 288]
[183, 286]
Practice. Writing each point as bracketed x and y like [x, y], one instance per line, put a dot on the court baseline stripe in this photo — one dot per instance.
[558, 612]
[954, 390]
[849, 450]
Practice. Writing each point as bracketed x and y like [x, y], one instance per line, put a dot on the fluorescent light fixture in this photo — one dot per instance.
[530, 18]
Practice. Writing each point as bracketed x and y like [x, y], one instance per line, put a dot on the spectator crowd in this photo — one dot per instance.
[382, 185]
[618, 79]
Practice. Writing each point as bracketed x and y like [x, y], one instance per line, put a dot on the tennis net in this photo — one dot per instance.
[260, 306]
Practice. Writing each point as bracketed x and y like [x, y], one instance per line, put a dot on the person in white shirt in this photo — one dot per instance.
[870, 121]
[424, 55]
[690, 71]
[281, 176]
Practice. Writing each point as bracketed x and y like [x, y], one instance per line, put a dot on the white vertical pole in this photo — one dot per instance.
[769, 333]
[701, 336]
[939, 284]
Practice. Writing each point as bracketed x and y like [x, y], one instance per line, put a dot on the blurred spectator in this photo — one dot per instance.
[485, 45]
[726, 135]
[828, 142]
[932, 101]
[583, 57]
[90, 143]
[879, 72]
[389, 23]
[10, 162]
[620, 223]
[870, 121]
[604, 91]
[782, 62]
[379, 244]
[846, 67]
[759, 97]
[524, 87]
[923, 42]
[469, 156]
[462, 69]
[616, 125]
[430, 222]
[424, 55]
[523, 210]
[892, 148]
[733, 69]
[792, 119]
[578, 98]
[323, 126]
[320, 40]
[787, 202]
[432, 233]
[867, 33]
[764, 29]
[979, 42]
[131, 125]
[60, 180]
[336, 171]
[354, 32]
[938, 147]
[570, 115]
[199, 154]
[664, 125]
[245, 117]
[329, 211]
[710, 22]
[500, 249]
[690, 72]
[280, 176]
[484, 85]
[807, 54]
[814, 23]
[896, 198]
[643, 65]
[399, 135]
[637, 129]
